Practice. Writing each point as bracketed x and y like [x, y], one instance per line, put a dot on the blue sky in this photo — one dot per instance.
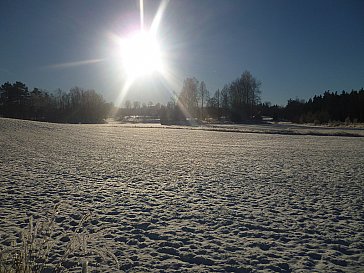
[295, 48]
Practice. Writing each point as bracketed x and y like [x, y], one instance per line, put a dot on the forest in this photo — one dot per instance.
[329, 107]
[76, 106]
[238, 102]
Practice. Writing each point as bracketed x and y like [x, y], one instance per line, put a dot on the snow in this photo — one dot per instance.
[188, 200]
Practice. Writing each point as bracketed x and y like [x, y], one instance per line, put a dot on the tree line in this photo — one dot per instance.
[76, 106]
[330, 107]
[240, 101]
[237, 101]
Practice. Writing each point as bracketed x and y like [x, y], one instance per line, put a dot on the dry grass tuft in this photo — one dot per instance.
[38, 242]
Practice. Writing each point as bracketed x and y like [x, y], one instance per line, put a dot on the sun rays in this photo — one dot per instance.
[74, 63]
[142, 55]
[136, 57]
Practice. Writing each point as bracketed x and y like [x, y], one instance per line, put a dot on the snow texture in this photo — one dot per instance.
[167, 200]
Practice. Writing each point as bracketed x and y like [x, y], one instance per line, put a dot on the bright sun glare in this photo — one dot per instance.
[141, 54]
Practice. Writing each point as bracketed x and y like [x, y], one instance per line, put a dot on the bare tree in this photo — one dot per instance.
[128, 104]
[224, 99]
[203, 94]
[244, 94]
[188, 98]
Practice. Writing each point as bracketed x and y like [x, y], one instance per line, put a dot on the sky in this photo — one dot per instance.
[297, 49]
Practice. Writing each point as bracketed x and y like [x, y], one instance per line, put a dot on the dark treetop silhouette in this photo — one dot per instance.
[237, 101]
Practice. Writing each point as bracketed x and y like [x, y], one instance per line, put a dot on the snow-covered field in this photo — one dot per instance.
[182, 200]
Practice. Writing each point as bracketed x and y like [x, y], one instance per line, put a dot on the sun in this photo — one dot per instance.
[141, 54]
[138, 55]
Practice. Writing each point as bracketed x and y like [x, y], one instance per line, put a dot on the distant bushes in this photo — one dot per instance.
[76, 106]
